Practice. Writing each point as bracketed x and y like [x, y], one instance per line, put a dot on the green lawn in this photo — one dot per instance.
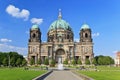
[19, 74]
[104, 73]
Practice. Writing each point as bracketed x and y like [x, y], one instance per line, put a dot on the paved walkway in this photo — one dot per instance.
[62, 75]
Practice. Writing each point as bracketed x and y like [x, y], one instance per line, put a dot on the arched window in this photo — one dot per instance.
[86, 35]
[67, 36]
[33, 35]
[34, 49]
[53, 36]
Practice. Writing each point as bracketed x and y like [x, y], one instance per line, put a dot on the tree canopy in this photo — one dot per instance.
[103, 60]
[12, 59]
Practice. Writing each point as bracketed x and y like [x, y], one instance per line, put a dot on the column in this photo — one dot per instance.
[35, 59]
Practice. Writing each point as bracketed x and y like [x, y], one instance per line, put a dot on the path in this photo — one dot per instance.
[62, 75]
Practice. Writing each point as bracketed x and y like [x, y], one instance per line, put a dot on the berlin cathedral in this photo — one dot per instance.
[60, 44]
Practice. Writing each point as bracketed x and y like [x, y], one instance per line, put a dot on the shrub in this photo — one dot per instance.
[39, 62]
[32, 61]
[73, 62]
[24, 62]
[94, 61]
[52, 63]
[66, 61]
[87, 62]
[46, 62]
[79, 61]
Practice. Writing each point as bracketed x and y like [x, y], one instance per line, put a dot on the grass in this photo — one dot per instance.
[19, 74]
[104, 73]
[110, 68]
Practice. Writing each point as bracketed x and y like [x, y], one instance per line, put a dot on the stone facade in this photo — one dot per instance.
[60, 43]
[117, 59]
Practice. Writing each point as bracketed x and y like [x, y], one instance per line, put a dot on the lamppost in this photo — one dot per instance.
[49, 54]
[70, 54]
[54, 55]
[8, 60]
[75, 51]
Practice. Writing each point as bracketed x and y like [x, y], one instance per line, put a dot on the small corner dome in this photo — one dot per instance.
[35, 26]
[85, 26]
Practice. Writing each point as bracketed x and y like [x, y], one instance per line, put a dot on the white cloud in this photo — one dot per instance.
[5, 40]
[8, 48]
[36, 21]
[15, 12]
[96, 34]
[76, 39]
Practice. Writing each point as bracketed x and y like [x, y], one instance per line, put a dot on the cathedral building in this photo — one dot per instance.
[60, 43]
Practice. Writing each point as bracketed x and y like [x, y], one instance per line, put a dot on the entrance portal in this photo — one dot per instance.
[60, 56]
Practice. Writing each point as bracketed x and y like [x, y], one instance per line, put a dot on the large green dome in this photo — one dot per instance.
[60, 24]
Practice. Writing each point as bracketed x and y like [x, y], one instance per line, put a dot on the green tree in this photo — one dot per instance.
[79, 61]
[39, 61]
[112, 61]
[32, 61]
[1, 58]
[87, 61]
[108, 60]
[105, 60]
[24, 62]
[66, 61]
[52, 63]
[46, 62]
[18, 62]
[94, 61]
[12, 56]
[73, 62]
[12, 61]
[101, 60]
[5, 62]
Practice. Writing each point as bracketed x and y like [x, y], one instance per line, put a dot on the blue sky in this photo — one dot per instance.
[17, 17]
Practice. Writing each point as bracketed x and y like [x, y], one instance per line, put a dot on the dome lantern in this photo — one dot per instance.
[60, 14]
